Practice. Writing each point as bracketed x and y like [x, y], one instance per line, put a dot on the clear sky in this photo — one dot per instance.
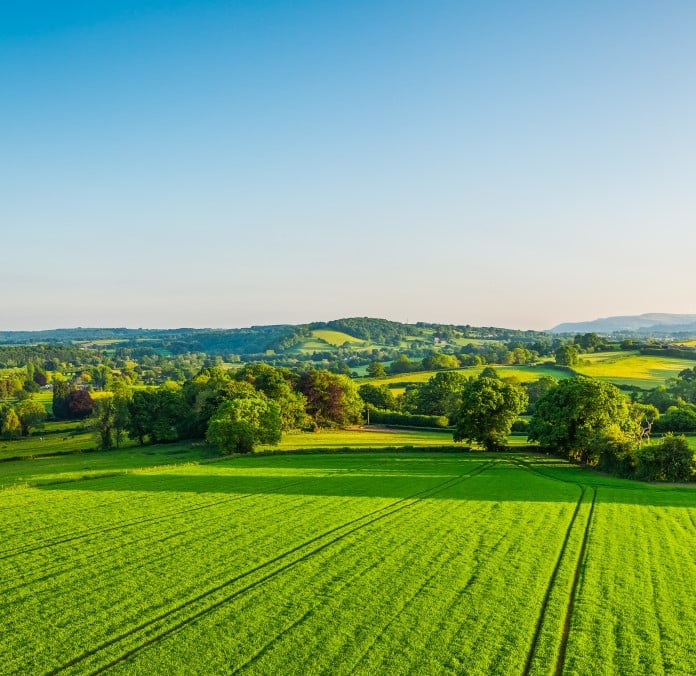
[232, 163]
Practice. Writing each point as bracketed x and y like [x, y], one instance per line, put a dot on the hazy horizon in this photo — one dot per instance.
[210, 164]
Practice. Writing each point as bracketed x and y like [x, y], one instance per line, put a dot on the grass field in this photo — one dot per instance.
[632, 369]
[380, 563]
[62, 441]
[336, 338]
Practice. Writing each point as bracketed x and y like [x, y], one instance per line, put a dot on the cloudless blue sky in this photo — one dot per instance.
[232, 163]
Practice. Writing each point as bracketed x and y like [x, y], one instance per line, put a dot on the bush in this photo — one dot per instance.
[677, 419]
[670, 459]
[520, 426]
[412, 420]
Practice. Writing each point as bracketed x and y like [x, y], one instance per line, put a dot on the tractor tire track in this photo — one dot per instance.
[348, 529]
[576, 583]
[551, 585]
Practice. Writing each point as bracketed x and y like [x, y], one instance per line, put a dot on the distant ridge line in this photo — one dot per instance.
[651, 322]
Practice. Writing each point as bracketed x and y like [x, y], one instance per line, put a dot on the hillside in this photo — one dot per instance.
[650, 323]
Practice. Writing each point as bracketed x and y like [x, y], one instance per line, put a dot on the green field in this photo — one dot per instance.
[337, 338]
[68, 453]
[378, 563]
[632, 369]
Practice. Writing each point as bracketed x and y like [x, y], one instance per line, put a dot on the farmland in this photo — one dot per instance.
[385, 563]
[632, 369]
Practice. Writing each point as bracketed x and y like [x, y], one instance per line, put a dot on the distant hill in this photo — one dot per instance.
[651, 323]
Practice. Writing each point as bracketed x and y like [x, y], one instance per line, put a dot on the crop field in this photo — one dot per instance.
[633, 369]
[356, 563]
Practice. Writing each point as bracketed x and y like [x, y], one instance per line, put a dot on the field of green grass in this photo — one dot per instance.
[375, 563]
[632, 369]
[336, 338]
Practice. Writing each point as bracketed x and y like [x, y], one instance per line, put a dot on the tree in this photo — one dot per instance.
[439, 360]
[61, 390]
[379, 396]
[441, 395]
[277, 384]
[239, 424]
[402, 364]
[169, 411]
[31, 414]
[141, 410]
[589, 341]
[489, 407]
[331, 399]
[570, 416]
[104, 422]
[10, 426]
[677, 419]
[536, 389]
[567, 355]
[79, 404]
[376, 370]
[120, 419]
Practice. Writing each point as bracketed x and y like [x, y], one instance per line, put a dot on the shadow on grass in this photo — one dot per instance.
[467, 477]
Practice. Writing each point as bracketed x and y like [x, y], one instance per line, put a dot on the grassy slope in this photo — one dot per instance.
[632, 369]
[336, 338]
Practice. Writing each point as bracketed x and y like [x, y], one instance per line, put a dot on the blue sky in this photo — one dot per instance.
[226, 163]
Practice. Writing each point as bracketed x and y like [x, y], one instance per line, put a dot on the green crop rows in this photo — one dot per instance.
[363, 563]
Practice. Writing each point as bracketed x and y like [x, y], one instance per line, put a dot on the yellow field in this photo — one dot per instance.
[632, 369]
[336, 338]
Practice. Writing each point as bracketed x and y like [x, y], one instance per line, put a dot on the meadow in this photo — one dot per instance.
[630, 368]
[376, 562]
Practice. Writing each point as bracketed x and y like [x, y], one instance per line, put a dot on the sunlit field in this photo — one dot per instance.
[352, 563]
[632, 369]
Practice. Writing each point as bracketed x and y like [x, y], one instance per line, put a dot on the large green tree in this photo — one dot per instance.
[573, 415]
[31, 414]
[441, 395]
[379, 396]
[240, 424]
[488, 409]
[567, 355]
[277, 384]
[10, 426]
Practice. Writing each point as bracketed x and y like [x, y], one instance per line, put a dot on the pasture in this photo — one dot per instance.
[347, 563]
[59, 438]
[632, 369]
[337, 338]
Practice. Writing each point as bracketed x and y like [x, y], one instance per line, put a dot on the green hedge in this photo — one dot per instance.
[407, 419]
